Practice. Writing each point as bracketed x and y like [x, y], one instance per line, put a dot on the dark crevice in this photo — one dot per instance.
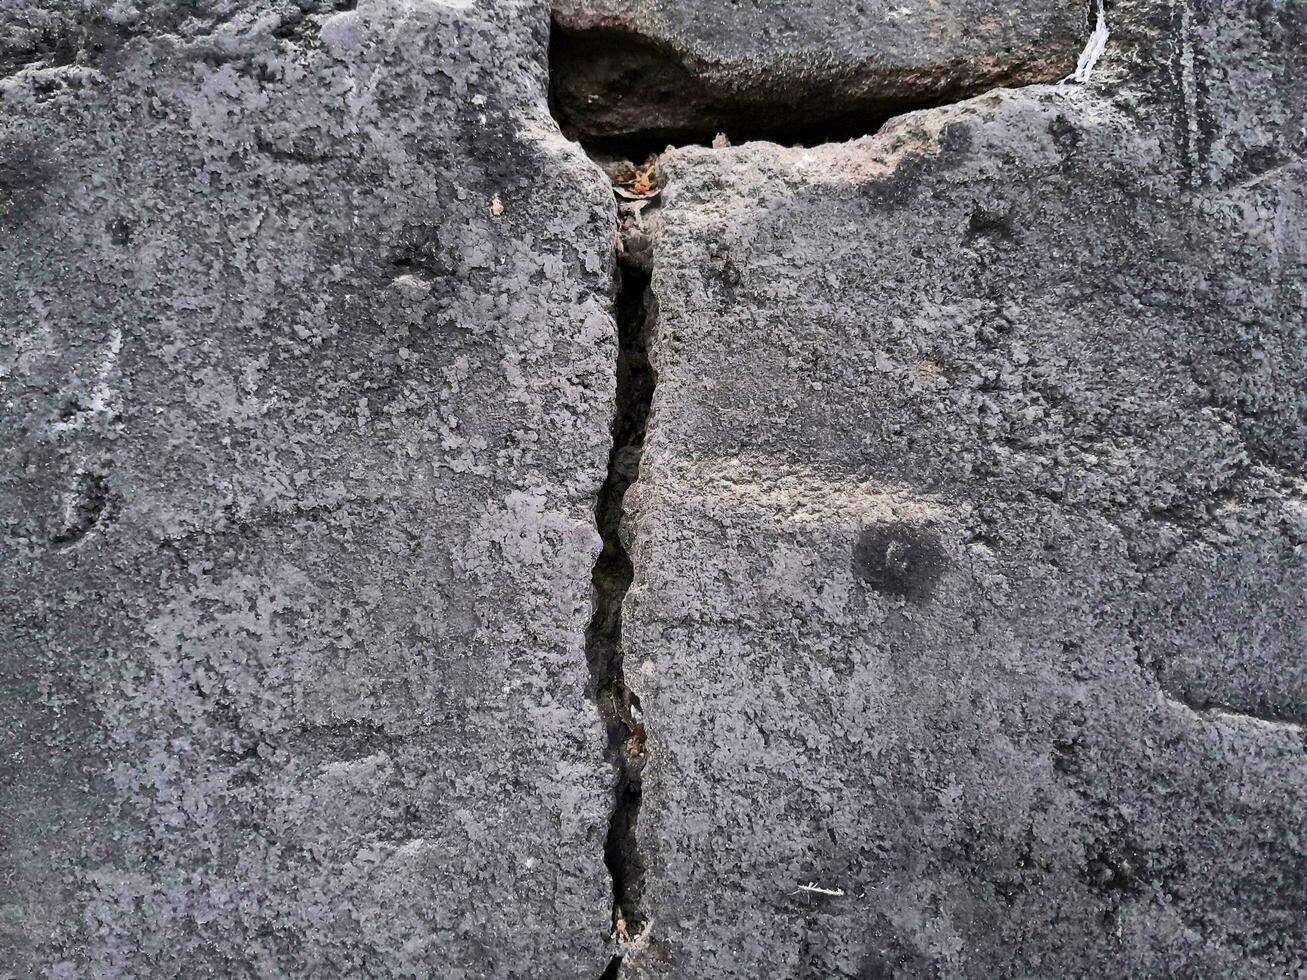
[618, 706]
[622, 94]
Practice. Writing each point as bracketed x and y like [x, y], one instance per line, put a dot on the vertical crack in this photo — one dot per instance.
[621, 95]
[611, 579]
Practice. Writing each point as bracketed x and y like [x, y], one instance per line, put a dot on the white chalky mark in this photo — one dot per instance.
[102, 400]
[1094, 49]
[812, 888]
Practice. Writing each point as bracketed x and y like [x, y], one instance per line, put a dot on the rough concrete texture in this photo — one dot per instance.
[967, 596]
[969, 540]
[307, 372]
[680, 71]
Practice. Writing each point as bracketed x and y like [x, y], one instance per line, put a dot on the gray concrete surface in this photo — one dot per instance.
[969, 541]
[307, 348]
[966, 629]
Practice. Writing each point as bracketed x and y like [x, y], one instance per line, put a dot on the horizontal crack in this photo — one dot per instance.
[623, 93]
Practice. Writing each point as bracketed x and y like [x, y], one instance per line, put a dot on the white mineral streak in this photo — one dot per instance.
[1094, 49]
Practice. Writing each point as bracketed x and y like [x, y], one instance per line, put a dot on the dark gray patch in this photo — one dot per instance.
[991, 224]
[899, 559]
[1067, 139]
[301, 21]
[23, 178]
[886, 957]
[88, 510]
[1119, 865]
[120, 231]
[52, 46]
[419, 250]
